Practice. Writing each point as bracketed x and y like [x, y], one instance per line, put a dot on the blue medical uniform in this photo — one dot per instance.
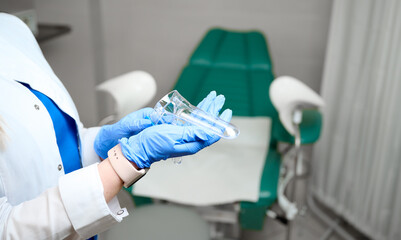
[66, 134]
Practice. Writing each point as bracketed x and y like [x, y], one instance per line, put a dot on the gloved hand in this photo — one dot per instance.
[167, 141]
[131, 124]
[212, 104]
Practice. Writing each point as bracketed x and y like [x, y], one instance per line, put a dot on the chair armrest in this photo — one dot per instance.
[130, 91]
[310, 128]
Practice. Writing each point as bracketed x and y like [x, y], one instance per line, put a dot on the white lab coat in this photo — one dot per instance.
[37, 200]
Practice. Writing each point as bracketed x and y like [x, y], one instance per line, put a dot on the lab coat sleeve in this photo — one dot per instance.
[88, 136]
[76, 209]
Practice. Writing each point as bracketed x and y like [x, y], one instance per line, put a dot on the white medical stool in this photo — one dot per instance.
[131, 92]
[158, 221]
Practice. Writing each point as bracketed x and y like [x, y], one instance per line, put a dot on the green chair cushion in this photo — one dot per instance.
[237, 50]
[246, 91]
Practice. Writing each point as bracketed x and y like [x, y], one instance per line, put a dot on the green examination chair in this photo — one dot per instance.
[238, 65]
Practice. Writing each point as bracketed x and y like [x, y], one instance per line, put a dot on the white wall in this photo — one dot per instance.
[159, 36]
[72, 56]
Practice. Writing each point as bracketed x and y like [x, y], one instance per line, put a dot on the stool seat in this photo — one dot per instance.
[158, 221]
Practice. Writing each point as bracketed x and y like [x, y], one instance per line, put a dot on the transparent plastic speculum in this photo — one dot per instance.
[175, 109]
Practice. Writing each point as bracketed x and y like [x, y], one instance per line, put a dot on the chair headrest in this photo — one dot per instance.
[289, 94]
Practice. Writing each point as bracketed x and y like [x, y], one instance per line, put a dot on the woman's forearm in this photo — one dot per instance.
[112, 183]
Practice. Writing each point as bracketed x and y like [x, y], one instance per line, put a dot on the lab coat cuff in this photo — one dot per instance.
[89, 155]
[82, 195]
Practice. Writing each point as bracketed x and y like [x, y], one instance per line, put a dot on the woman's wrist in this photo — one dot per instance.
[127, 170]
[115, 175]
[111, 181]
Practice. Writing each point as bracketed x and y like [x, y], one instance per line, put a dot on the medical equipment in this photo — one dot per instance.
[290, 96]
[174, 108]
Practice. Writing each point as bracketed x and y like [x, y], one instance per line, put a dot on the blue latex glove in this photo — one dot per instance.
[167, 141]
[131, 124]
[212, 104]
